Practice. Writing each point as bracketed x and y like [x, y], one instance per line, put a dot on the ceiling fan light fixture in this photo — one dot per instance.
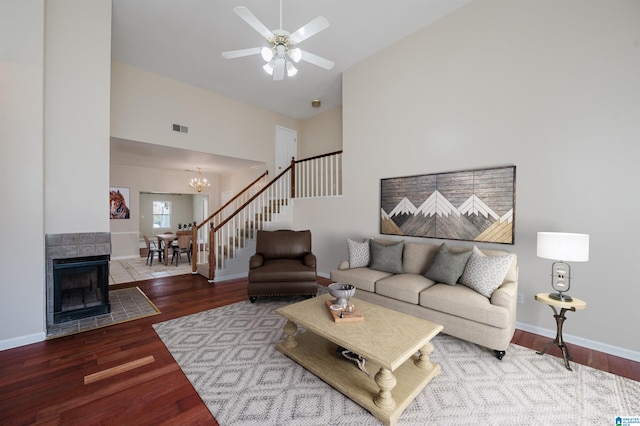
[291, 70]
[267, 54]
[268, 67]
[295, 54]
[281, 45]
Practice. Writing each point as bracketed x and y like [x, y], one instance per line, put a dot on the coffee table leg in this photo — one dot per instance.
[423, 361]
[290, 329]
[385, 381]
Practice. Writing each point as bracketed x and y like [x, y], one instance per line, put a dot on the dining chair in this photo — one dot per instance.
[152, 249]
[183, 246]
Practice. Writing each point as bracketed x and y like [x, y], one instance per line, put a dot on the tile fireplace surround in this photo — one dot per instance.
[69, 246]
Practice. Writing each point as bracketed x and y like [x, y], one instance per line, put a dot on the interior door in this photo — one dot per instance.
[286, 147]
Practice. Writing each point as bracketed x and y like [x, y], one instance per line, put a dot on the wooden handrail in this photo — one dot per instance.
[246, 188]
[213, 228]
[196, 228]
[256, 195]
[318, 156]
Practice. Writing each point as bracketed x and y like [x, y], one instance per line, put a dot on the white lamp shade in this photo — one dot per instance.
[563, 246]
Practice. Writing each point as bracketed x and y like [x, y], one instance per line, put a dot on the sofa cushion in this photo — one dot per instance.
[447, 267]
[358, 253]
[386, 257]
[416, 257]
[465, 303]
[405, 287]
[512, 275]
[485, 273]
[362, 278]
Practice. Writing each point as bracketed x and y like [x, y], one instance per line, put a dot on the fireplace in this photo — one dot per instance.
[80, 261]
[80, 288]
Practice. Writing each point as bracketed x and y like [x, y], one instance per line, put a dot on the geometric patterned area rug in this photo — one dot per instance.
[229, 356]
[127, 304]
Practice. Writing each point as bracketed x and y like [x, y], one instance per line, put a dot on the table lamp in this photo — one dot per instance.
[562, 247]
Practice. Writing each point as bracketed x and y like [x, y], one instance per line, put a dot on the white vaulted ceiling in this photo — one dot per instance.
[183, 40]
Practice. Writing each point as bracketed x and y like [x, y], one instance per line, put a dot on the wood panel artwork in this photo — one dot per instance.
[474, 205]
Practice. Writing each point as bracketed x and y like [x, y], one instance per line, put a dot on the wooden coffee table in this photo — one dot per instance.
[389, 341]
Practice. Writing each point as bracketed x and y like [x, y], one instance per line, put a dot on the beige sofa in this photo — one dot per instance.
[463, 312]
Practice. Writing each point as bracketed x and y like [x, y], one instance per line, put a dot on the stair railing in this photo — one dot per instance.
[237, 220]
[200, 232]
[231, 234]
[319, 176]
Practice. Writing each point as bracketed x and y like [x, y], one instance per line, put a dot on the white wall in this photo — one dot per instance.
[77, 96]
[321, 134]
[125, 233]
[181, 212]
[235, 182]
[55, 104]
[551, 87]
[22, 293]
[145, 105]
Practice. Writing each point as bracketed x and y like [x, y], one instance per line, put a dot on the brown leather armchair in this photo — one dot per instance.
[283, 265]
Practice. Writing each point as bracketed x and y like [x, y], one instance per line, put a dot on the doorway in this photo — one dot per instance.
[286, 147]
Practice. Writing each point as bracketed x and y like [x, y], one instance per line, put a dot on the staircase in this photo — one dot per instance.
[263, 204]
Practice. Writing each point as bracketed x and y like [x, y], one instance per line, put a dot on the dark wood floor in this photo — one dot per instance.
[44, 383]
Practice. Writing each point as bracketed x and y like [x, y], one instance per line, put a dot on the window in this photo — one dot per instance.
[162, 214]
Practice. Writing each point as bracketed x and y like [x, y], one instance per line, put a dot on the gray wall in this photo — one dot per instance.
[551, 87]
[181, 212]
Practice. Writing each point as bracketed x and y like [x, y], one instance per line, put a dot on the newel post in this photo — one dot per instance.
[293, 177]
[195, 247]
[212, 253]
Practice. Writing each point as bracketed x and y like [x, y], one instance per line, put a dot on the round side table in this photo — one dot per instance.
[564, 307]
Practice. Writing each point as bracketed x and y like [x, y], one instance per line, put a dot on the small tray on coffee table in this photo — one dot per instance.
[354, 316]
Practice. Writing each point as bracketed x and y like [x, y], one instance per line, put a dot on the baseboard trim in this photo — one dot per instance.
[580, 341]
[230, 277]
[22, 340]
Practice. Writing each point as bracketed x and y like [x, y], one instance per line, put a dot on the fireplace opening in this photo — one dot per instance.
[81, 288]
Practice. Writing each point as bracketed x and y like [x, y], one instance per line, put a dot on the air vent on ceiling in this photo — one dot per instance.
[181, 129]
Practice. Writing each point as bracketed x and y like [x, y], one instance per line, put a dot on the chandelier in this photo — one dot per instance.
[199, 184]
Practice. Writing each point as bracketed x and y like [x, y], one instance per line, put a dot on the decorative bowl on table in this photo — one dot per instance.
[342, 292]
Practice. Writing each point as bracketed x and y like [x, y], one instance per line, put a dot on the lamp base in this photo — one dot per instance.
[561, 297]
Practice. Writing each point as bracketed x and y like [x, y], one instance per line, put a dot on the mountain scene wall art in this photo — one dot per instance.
[475, 205]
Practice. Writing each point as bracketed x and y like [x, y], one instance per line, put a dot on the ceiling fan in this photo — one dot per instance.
[281, 53]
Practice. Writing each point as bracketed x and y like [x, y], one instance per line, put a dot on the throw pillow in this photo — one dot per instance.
[358, 254]
[485, 274]
[447, 267]
[386, 257]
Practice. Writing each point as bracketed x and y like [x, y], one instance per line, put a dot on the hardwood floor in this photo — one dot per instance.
[123, 374]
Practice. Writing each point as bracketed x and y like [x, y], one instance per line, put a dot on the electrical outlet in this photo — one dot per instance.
[521, 298]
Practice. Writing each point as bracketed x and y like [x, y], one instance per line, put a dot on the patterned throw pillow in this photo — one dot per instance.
[358, 254]
[447, 267]
[485, 274]
[386, 257]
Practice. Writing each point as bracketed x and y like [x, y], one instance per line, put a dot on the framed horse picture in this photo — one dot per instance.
[473, 205]
[119, 203]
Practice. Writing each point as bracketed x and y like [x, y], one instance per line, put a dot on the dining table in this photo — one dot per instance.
[164, 241]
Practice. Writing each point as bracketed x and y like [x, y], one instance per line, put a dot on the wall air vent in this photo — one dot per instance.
[181, 129]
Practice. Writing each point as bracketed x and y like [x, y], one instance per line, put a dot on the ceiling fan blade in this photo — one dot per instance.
[251, 19]
[312, 28]
[317, 60]
[278, 70]
[242, 52]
